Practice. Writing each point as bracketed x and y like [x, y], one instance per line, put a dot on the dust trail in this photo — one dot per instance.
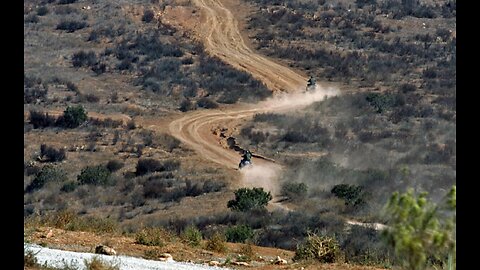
[262, 175]
[298, 99]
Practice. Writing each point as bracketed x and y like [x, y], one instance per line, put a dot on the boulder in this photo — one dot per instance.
[279, 261]
[101, 249]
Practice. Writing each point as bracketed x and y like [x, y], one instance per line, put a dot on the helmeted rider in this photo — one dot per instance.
[247, 155]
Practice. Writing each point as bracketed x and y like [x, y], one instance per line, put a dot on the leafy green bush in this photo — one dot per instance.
[247, 199]
[294, 191]
[74, 116]
[380, 102]
[353, 195]
[322, 248]
[422, 232]
[192, 236]
[69, 186]
[239, 233]
[94, 175]
[45, 175]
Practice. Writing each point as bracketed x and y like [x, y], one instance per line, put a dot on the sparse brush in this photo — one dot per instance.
[29, 259]
[322, 248]
[98, 264]
[152, 237]
[246, 253]
[192, 236]
[217, 243]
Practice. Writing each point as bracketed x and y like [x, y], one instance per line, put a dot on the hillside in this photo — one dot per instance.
[173, 90]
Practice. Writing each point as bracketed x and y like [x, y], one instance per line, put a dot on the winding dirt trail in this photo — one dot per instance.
[219, 33]
[222, 38]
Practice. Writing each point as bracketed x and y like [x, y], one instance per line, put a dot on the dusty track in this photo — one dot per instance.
[222, 38]
[220, 34]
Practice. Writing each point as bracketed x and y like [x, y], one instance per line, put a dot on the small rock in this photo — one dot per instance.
[241, 263]
[105, 250]
[279, 261]
[165, 257]
[214, 263]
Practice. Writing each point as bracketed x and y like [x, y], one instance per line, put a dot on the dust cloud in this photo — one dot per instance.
[299, 98]
[262, 175]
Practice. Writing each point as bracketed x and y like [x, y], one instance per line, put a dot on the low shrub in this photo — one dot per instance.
[83, 59]
[207, 103]
[239, 233]
[148, 16]
[114, 165]
[294, 191]
[152, 237]
[216, 243]
[187, 105]
[41, 120]
[168, 141]
[322, 248]
[71, 25]
[46, 175]
[48, 153]
[95, 175]
[69, 186]
[148, 165]
[353, 195]
[192, 236]
[247, 199]
[73, 116]
[96, 263]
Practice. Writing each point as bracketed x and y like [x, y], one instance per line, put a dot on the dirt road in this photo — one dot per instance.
[222, 38]
[219, 33]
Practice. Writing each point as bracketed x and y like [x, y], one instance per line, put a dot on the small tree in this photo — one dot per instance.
[74, 116]
[421, 232]
[247, 199]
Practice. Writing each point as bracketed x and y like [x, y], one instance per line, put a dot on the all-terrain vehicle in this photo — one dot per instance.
[246, 159]
[311, 84]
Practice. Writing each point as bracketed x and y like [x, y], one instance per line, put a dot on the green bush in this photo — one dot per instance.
[192, 236]
[322, 248]
[239, 233]
[422, 232]
[74, 116]
[94, 175]
[69, 186]
[353, 195]
[294, 191]
[247, 199]
[380, 102]
[45, 175]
